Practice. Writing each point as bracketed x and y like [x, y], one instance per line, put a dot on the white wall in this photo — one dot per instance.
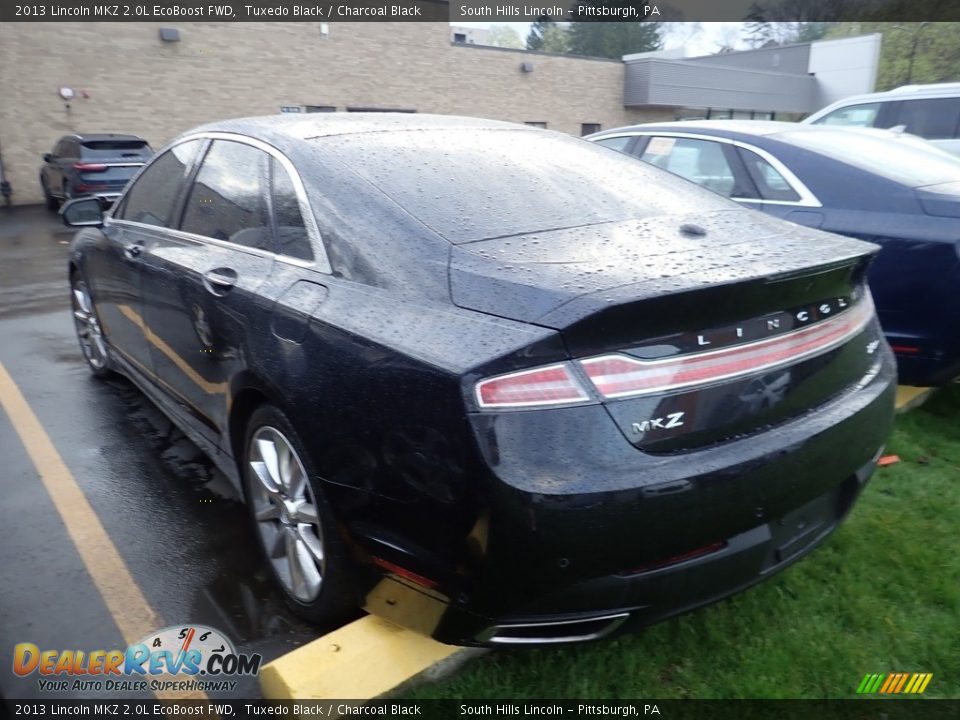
[845, 67]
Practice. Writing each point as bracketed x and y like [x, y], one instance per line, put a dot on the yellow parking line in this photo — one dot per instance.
[123, 598]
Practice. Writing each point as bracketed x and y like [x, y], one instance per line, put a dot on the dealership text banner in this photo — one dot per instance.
[479, 11]
[511, 709]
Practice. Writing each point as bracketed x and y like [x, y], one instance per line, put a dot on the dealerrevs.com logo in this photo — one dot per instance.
[180, 658]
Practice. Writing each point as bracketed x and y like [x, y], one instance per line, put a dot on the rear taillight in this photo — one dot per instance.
[550, 385]
[617, 376]
[621, 376]
[89, 167]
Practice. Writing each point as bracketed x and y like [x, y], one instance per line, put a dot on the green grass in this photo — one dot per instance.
[881, 595]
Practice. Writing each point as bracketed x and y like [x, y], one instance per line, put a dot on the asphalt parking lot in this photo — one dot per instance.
[78, 454]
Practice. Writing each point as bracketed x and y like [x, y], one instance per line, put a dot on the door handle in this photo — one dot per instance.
[220, 281]
[132, 252]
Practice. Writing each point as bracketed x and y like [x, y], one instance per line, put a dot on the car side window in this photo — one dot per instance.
[150, 200]
[934, 118]
[65, 149]
[853, 115]
[228, 199]
[769, 181]
[701, 161]
[615, 143]
[291, 232]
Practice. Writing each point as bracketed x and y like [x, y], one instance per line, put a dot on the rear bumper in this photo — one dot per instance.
[654, 595]
[569, 566]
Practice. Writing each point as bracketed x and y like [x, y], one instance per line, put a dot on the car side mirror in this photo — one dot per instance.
[82, 212]
[47, 157]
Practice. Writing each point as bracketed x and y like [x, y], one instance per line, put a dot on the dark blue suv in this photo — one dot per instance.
[100, 165]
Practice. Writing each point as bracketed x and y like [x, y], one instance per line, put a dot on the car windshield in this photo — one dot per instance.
[902, 162]
[475, 184]
[115, 148]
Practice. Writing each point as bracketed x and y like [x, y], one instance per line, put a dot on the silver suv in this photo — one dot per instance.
[930, 111]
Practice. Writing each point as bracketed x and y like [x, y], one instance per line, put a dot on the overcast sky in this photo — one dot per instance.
[697, 38]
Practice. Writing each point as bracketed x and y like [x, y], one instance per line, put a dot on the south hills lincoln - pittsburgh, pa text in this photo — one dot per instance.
[576, 12]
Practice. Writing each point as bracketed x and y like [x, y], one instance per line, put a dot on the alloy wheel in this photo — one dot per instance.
[286, 513]
[89, 333]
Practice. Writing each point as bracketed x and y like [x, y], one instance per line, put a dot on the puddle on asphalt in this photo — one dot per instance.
[241, 600]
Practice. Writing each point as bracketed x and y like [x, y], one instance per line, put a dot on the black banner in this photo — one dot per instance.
[861, 709]
[480, 10]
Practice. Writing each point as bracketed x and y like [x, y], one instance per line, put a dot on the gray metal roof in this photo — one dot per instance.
[686, 83]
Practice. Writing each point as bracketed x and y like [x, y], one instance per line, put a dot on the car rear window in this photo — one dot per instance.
[475, 184]
[898, 160]
[115, 148]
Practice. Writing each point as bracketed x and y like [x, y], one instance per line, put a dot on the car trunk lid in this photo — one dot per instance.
[784, 307]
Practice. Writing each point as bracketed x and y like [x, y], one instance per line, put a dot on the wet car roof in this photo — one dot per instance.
[305, 127]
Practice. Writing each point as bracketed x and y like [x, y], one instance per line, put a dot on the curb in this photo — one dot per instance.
[364, 660]
[909, 398]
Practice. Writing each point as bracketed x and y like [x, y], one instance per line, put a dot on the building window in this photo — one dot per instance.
[536, 124]
[459, 37]
[589, 128]
[320, 108]
[376, 109]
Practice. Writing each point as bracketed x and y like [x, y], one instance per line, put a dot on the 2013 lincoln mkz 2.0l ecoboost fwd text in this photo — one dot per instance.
[497, 384]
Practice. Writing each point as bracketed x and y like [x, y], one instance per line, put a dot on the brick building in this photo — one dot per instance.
[157, 80]
[126, 79]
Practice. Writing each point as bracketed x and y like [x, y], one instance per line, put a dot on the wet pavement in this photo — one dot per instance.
[176, 522]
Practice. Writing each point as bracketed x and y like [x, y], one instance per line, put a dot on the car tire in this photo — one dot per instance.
[93, 343]
[52, 202]
[292, 521]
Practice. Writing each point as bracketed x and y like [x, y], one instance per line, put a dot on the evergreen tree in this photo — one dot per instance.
[612, 39]
[538, 30]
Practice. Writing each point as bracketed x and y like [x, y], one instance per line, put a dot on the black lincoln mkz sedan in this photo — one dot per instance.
[494, 383]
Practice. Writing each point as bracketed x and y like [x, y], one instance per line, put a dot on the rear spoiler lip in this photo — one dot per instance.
[560, 316]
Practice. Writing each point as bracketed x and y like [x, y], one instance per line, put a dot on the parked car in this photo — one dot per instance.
[930, 111]
[873, 185]
[98, 164]
[469, 377]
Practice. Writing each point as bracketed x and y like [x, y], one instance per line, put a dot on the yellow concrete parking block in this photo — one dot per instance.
[364, 660]
[910, 397]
